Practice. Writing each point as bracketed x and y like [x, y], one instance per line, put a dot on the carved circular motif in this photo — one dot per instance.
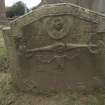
[100, 46]
[58, 27]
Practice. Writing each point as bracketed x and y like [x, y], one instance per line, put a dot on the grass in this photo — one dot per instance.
[6, 90]
[3, 53]
[6, 94]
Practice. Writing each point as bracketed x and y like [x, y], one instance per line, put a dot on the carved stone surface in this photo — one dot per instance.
[96, 5]
[58, 46]
[2, 8]
[58, 27]
[2, 13]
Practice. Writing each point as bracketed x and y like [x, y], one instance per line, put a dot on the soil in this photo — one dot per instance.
[59, 99]
[4, 67]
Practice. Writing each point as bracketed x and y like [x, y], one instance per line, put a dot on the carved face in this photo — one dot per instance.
[58, 24]
[58, 27]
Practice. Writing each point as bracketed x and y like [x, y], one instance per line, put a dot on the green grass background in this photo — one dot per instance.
[3, 52]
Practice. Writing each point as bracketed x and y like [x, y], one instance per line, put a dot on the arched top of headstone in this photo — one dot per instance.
[63, 8]
[96, 5]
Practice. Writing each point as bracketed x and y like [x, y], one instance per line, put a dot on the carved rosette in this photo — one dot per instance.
[97, 39]
[100, 47]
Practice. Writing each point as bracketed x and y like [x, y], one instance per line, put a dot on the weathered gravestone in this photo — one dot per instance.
[2, 8]
[2, 12]
[57, 46]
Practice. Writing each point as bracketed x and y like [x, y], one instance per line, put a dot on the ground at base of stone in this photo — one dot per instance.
[10, 97]
[61, 99]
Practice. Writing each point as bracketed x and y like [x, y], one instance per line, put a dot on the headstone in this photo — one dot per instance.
[2, 8]
[57, 47]
[2, 12]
